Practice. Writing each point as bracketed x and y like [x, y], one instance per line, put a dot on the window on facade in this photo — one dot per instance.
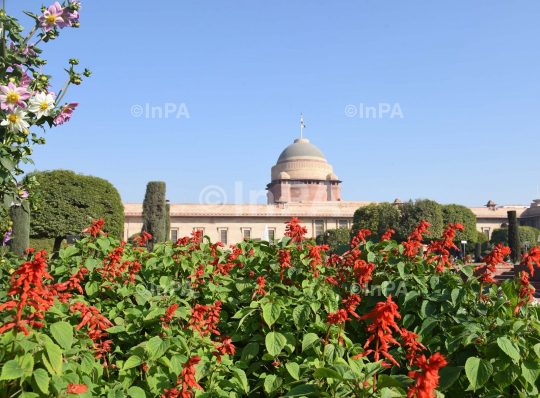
[247, 233]
[271, 233]
[343, 224]
[223, 236]
[486, 231]
[319, 227]
[174, 234]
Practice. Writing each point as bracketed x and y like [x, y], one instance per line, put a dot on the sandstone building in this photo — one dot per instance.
[303, 185]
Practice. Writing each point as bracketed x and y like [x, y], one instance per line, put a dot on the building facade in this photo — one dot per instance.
[303, 185]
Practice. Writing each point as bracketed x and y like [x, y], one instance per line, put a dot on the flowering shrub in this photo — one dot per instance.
[27, 98]
[192, 318]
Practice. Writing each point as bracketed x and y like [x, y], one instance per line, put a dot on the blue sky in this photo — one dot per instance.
[465, 76]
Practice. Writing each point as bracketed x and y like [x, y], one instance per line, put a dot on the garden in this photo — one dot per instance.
[290, 317]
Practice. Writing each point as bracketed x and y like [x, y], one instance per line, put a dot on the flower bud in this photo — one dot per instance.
[10, 223]
[52, 37]
[43, 79]
[34, 208]
[74, 61]
[35, 74]
[76, 25]
[26, 132]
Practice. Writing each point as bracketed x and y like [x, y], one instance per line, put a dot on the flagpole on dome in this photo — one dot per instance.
[302, 125]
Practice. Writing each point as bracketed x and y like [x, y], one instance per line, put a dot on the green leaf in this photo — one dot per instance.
[410, 296]
[87, 362]
[63, 334]
[136, 392]
[156, 347]
[275, 342]
[92, 288]
[530, 371]
[294, 370]
[132, 362]
[327, 373]
[240, 375]
[249, 352]
[25, 394]
[271, 312]
[448, 375]
[427, 326]
[509, 348]
[478, 371]
[11, 370]
[388, 381]
[116, 329]
[301, 390]
[301, 316]
[54, 356]
[467, 270]
[507, 376]
[42, 380]
[272, 383]
[309, 340]
[7, 163]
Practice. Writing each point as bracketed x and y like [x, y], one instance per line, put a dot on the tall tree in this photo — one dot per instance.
[68, 202]
[167, 221]
[154, 212]
[422, 209]
[376, 217]
[460, 214]
[513, 236]
[20, 240]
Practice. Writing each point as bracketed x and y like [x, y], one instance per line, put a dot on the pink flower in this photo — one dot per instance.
[52, 17]
[65, 114]
[13, 97]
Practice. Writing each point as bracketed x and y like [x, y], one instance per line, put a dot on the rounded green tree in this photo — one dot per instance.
[70, 201]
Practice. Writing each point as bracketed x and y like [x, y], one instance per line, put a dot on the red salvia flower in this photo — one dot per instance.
[186, 379]
[337, 318]
[428, 379]
[76, 388]
[414, 241]
[531, 258]
[350, 304]
[491, 261]
[134, 268]
[284, 261]
[168, 316]
[198, 274]
[387, 235]
[315, 255]
[225, 348]
[261, 282]
[142, 238]
[383, 314]
[440, 247]
[204, 318]
[410, 341]
[29, 284]
[295, 231]
[95, 229]
[527, 291]
[360, 236]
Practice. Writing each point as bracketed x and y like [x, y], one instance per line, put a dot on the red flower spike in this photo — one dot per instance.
[225, 348]
[76, 388]
[428, 379]
[383, 315]
[95, 229]
[531, 258]
[526, 293]
[261, 282]
[295, 231]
